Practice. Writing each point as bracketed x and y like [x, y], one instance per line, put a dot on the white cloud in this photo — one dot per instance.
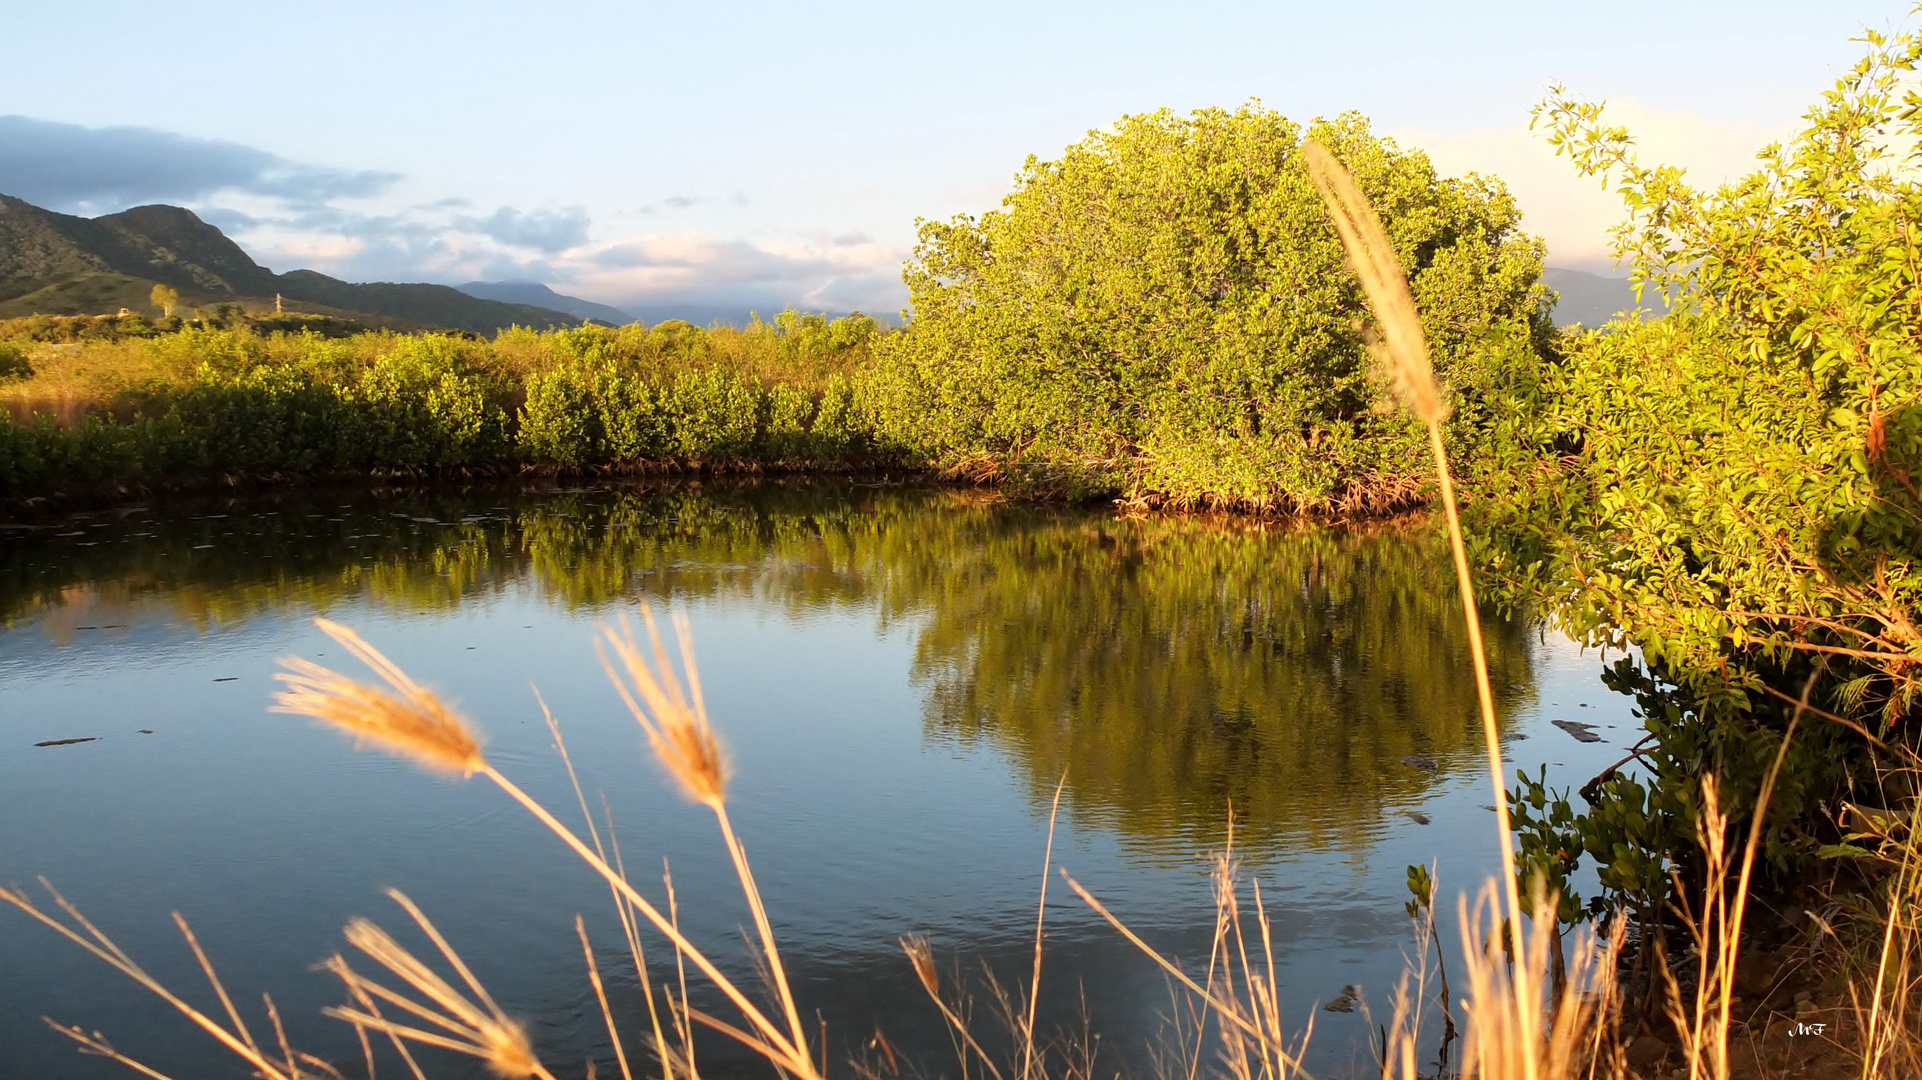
[543, 230]
[1574, 213]
[817, 271]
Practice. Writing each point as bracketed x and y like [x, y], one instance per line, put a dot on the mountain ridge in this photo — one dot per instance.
[69, 261]
[1592, 300]
[536, 294]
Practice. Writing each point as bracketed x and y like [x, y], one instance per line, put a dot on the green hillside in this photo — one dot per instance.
[83, 294]
[59, 264]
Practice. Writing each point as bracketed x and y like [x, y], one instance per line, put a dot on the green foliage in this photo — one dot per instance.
[558, 419]
[1421, 885]
[1732, 489]
[246, 401]
[1744, 476]
[1166, 312]
[14, 363]
[593, 412]
[429, 402]
[714, 415]
[1548, 843]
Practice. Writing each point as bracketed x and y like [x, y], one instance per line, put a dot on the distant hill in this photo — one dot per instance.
[736, 314]
[1591, 299]
[535, 294]
[58, 264]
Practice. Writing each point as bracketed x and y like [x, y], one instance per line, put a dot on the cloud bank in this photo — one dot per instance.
[92, 170]
[546, 231]
[1574, 213]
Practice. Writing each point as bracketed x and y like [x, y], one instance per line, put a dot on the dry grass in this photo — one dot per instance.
[417, 724]
[474, 1025]
[90, 374]
[72, 382]
[1239, 994]
[233, 1033]
[1883, 997]
[1229, 1020]
[1403, 349]
[410, 721]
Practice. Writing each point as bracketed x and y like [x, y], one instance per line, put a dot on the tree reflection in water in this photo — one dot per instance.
[1171, 667]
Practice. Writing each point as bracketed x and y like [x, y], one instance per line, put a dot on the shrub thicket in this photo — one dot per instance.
[1732, 488]
[208, 401]
[1165, 313]
[14, 362]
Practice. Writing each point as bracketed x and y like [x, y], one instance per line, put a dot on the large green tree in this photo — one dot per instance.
[1165, 312]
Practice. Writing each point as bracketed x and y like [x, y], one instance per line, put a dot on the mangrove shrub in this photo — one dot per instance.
[1165, 312]
[1732, 488]
[205, 401]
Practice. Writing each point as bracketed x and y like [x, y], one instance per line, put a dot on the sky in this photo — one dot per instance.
[718, 156]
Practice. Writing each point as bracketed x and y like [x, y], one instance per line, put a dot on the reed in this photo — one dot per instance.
[1401, 348]
[414, 722]
[675, 721]
[233, 1034]
[1883, 998]
[472, 1025]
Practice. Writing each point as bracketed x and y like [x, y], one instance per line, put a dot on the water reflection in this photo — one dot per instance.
[1175, 669]
[1171, 669]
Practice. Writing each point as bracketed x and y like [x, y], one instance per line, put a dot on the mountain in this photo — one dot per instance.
[1591, 299]
[736, 314]
[535, 294]
[58, 264]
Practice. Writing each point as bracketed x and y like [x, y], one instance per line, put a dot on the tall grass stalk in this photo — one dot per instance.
[78, 929]
[677, 727]
[1891, 1045]
[1040, 919]
[413, 722]
[1401, 349]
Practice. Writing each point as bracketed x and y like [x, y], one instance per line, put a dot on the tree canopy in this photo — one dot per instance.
[1164, 312]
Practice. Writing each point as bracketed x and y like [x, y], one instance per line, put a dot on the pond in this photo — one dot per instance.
[902, 676]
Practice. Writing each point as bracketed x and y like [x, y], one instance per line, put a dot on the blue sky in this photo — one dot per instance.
[761, 154]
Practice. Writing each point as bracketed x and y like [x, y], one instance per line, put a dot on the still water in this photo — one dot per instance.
[902, 677]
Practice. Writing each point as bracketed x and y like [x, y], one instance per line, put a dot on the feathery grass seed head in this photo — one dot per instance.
[468, 1022]
[922, 957]
[410, 720]
[1399, 345]
[674, 718]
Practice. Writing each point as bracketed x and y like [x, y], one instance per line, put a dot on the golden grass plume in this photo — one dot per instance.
[410, 721]
[476, 1027]
[921, 957]
[1399, 346]
[674, 718]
